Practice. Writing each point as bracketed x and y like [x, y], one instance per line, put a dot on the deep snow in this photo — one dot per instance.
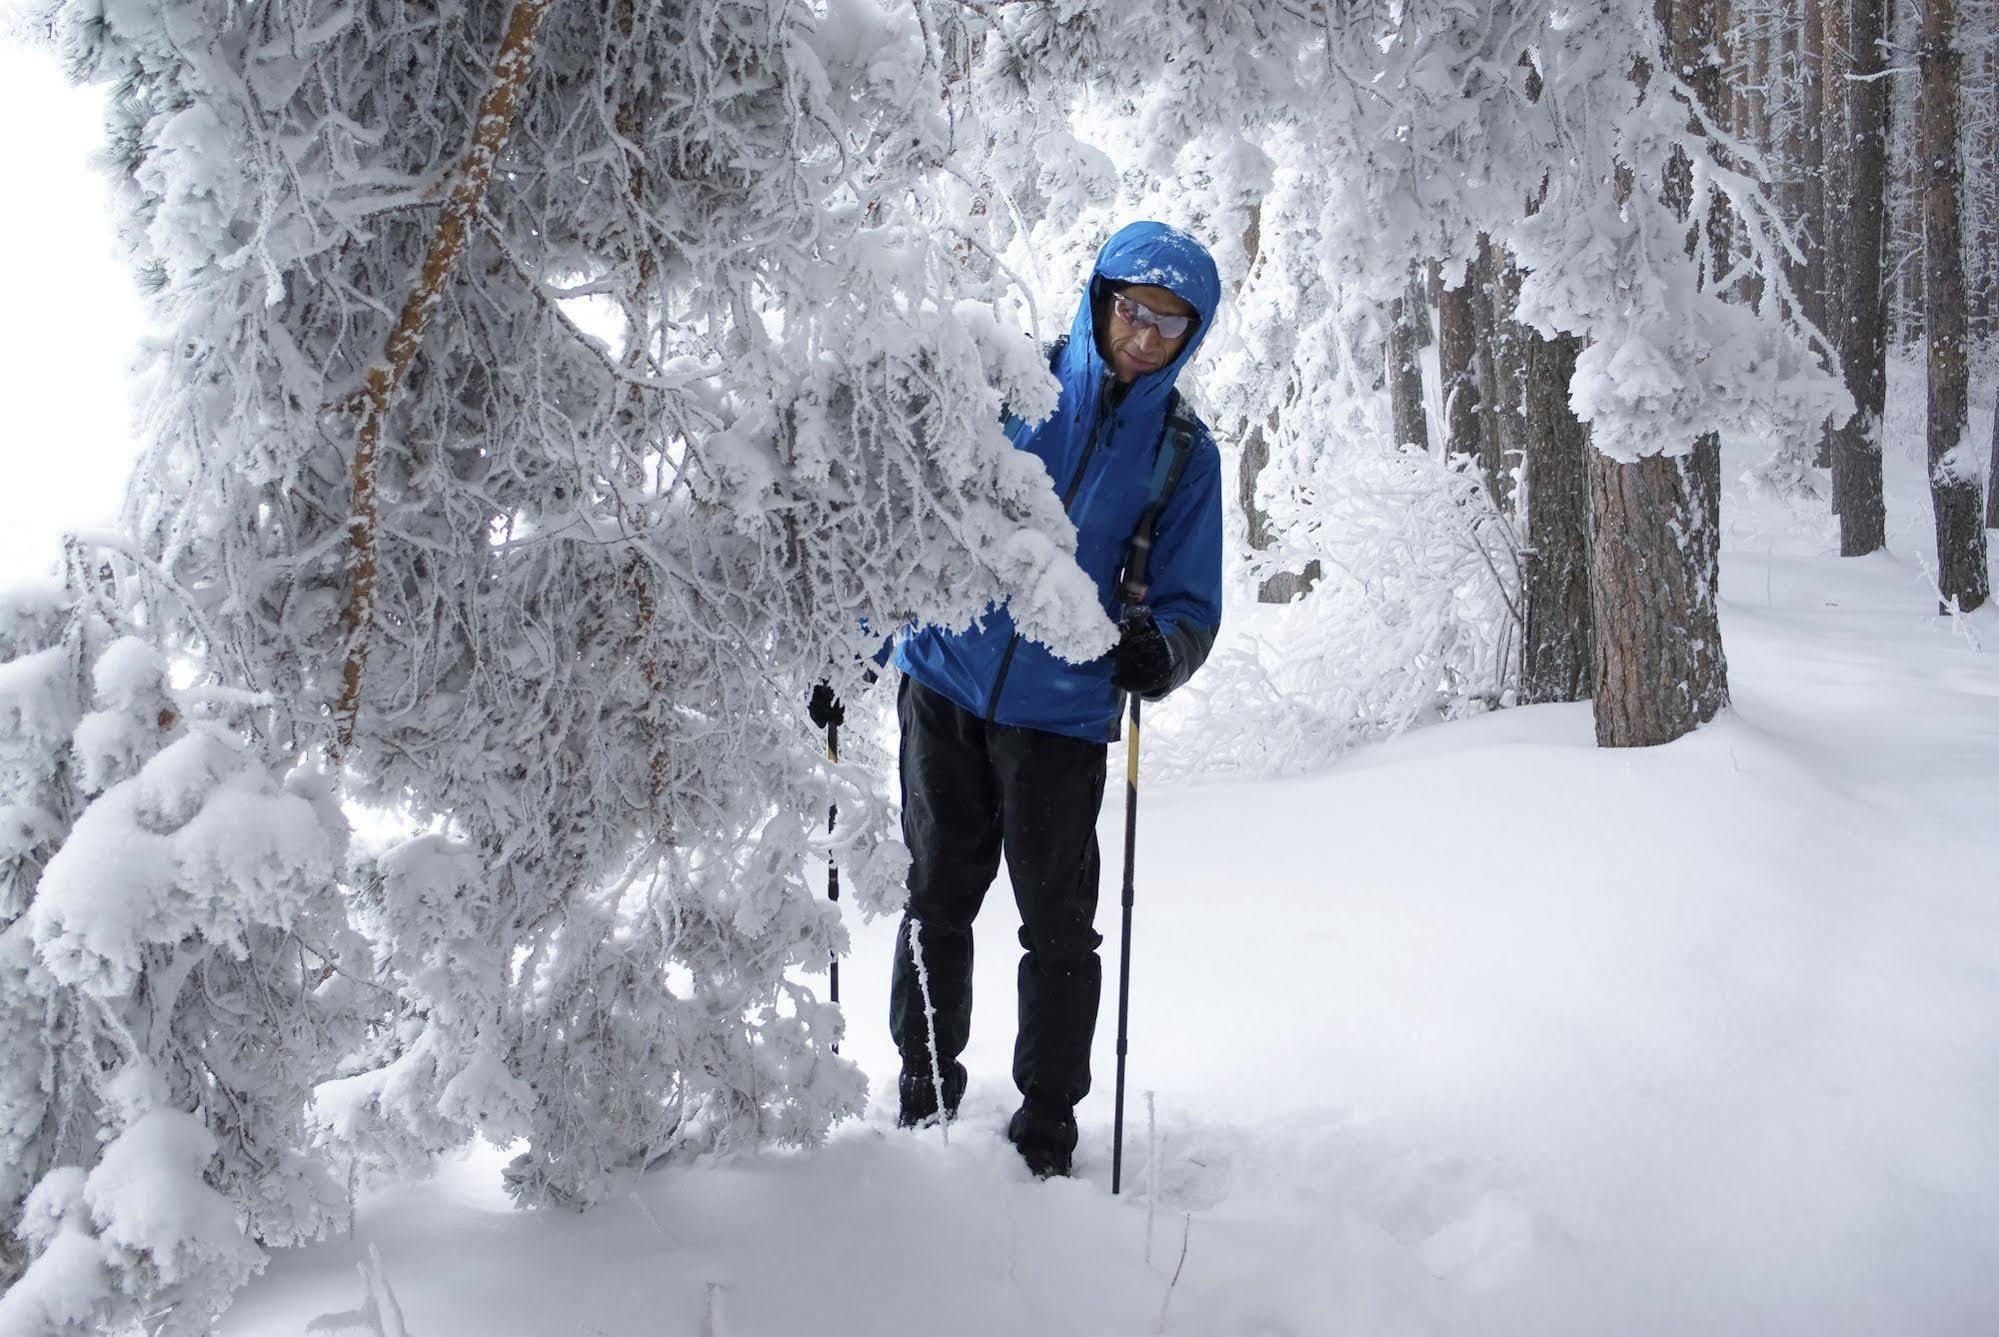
[1480, 1030]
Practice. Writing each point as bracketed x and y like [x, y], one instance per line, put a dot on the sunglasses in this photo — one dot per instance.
[1132, 313]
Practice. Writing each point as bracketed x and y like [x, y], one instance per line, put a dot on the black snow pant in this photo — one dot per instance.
[970, 791]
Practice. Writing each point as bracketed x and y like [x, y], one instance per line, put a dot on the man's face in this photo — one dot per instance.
[1135, 347]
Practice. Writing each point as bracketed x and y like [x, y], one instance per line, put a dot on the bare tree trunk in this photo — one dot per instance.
[1836, 62]
[1657, 664]
[1556, 654]
[1905, 248]
[1696, 50]
[1961, 573]
[1812, 292]
[511, 67]
[1992, 476]
[1838, 84]
[1856, 460]
[1502, 373]
[1754, 128]
[1790, 147]
[1984, 316]
[1408, 334]
[1457, 353]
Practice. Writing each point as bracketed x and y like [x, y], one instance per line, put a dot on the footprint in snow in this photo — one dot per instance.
[1442, 1206]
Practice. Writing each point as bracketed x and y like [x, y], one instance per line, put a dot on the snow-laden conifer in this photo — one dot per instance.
[538, 464]
[175, 974]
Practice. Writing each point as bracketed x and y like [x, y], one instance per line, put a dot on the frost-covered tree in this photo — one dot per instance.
[175, 974]
[1376, 134]
[548, 395]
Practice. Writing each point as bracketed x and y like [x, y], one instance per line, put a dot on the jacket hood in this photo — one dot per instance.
[1166, 257]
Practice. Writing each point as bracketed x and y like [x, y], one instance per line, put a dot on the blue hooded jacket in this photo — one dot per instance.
[1100, 447]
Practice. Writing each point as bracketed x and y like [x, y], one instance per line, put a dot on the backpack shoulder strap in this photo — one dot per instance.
[1174, 452]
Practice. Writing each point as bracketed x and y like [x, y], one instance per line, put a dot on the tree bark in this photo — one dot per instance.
[1992, 475]
[1834, 66]
[1457, 353]
[1501, 373]
[1658, 670]
[1863, 347]
[1984, 316]
[1962, 577]
[1408, 333]
[511, 67]
[1753, 100]
[1556, 653]
[1811, 239]
[1692, 28]
[1657, 666]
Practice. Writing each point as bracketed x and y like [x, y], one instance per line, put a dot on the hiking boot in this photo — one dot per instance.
[1044, 1133]
[918, 1092]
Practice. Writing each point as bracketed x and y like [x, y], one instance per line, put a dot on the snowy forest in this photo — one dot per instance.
[1565, 895]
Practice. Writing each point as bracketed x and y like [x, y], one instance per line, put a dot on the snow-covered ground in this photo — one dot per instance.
[1482, 1030]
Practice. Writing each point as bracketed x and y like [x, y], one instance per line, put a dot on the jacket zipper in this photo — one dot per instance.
[1075, 483]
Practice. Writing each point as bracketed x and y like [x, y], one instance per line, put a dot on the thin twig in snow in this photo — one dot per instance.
[1186, 1231]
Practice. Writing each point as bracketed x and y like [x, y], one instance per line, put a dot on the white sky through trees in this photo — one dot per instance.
[74, 317]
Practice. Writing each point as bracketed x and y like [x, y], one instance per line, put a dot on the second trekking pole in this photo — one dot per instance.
[1124, 951]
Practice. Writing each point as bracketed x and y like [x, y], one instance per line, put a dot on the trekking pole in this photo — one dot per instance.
[1124, 950]
[833, 867]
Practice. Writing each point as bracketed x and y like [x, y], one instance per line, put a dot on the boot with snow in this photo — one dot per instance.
[1044, 1133]
[918, 1092]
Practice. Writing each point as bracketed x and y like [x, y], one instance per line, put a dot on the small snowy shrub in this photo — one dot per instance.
[170, 987]
[1412, 621]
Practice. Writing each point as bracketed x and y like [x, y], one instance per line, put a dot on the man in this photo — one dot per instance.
[1003, 744]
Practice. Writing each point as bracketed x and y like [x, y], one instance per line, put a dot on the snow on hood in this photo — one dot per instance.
[1154, 253]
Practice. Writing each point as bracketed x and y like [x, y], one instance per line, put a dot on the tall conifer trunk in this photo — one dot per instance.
[1812, 236]
[1992, 476]
[1657, 664]
[1408, 333]
[1863, 346]
[1962, 577]
[1658, 667]
[1557, 650]
[1457, 361]
[1502, 373]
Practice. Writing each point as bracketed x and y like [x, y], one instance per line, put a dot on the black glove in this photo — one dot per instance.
[825, 708]
[1142, 663]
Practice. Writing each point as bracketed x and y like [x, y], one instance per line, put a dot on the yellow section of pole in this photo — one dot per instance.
[1131, 753]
